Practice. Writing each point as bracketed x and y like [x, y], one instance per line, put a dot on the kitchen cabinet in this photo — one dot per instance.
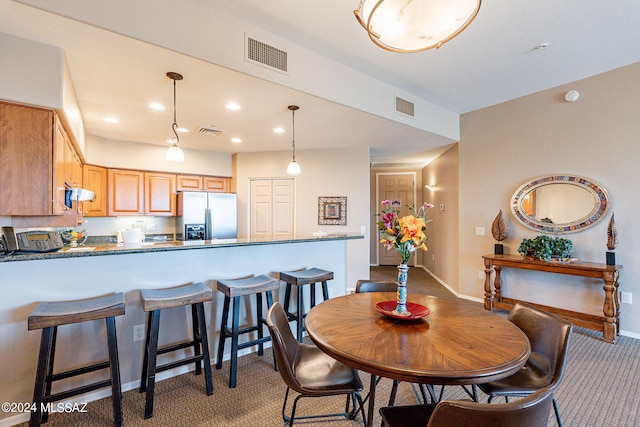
[159, 194]
[133, 192]
[125, 192]
[31, 161]
[94, 178]
[215, 184]
[72, 164]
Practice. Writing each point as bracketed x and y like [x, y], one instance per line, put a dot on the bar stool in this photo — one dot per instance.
[155, 300]
[299, 278]
[48, 316]
[234, 289]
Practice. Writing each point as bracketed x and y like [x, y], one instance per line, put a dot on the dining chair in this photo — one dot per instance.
[549, 337]
[310, 372]
[391, 286]
[531, 411]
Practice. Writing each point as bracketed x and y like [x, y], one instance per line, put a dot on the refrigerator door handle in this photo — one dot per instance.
[208, 230]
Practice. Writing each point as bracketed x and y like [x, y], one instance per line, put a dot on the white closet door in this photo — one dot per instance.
[272, 208]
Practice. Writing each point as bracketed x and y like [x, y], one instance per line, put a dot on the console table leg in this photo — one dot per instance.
[487, 285]
[497, 284]
[610, 308]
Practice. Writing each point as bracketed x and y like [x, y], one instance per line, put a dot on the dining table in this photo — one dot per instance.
[448, 342]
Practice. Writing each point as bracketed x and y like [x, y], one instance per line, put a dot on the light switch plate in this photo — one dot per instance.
[479, 231]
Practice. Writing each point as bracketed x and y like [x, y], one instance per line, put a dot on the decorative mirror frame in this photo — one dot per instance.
[598, 212]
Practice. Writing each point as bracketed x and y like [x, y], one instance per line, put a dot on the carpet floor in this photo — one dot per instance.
[601, 387]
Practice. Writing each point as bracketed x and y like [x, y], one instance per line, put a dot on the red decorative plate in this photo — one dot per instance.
[417, 311]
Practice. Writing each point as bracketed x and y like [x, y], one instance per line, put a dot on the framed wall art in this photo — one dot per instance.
[332, 211]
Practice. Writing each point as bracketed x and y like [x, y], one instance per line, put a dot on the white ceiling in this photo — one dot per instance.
[492, 61]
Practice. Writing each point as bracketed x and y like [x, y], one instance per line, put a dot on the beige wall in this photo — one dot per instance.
[505, 145]
[442, 231]
[324, 173]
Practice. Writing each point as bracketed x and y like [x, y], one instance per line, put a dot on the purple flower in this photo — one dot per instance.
[388, 219]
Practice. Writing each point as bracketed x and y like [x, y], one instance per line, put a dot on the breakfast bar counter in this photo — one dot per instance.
[83, 273]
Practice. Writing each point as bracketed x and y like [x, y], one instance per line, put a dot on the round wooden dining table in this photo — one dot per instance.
[458, 342]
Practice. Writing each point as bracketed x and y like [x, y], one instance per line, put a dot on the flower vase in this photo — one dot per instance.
[401, 294]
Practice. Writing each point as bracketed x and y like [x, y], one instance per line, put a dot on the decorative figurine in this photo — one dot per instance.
[612, 240]
[499, 229]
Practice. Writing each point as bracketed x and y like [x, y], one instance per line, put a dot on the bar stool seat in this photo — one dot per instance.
[155, 300]
[233, 290]
[299, 278]
[48, 316]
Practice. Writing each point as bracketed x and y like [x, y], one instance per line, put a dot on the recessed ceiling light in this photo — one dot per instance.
[156, 106]
[183, 130]
[111, 120]
[232, 106]
[236, 140]
[278, 130]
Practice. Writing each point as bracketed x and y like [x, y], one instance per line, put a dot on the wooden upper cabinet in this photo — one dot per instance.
[159, 194]
[27, 162]
[94, 178]
[216, 184]
[126, 192]
[189, 183]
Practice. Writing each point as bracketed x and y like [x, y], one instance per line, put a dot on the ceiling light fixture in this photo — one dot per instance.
[174, 153]
[415, 25]
[294, 167]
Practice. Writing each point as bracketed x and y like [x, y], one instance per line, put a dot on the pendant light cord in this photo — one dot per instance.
[293, 139]
[174, 126]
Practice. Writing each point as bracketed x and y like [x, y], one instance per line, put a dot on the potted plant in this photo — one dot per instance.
[544, 247]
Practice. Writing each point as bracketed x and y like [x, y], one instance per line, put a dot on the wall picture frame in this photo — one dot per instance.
[332, 210]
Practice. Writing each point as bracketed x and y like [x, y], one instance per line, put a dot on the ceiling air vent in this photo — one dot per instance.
[209, 131]
[404, 107]
[263, 54]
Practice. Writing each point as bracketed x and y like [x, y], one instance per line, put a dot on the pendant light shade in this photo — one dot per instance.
[174, 153]
[415, 25]
[293, 168]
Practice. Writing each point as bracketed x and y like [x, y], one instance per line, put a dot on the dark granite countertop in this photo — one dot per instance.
[101, 249]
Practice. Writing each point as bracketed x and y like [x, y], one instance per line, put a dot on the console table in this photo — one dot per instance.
[608, 323]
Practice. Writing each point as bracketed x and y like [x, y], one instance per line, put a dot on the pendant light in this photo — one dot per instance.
[293, 168]
[174, 153]
[415, 25]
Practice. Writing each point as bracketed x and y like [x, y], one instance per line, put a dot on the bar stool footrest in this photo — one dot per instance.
[76, 391]
[177, 363]
[173, 347]
[254, 342]
[79, 371]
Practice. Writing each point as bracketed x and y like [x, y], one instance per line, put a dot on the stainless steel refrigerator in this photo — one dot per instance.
[206, 216]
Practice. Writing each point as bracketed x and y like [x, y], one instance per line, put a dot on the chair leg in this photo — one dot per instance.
[46, 342]
[195, 330]
[154, 325]
[49, 382]
[312, 294]
[114, 369]
[300, 310]
[394, 392]
[258, 317]
[269, 304]
[204, 341]
[223, 331]
[145, 361]
[555, 408]
[234, 342]
[325, 290]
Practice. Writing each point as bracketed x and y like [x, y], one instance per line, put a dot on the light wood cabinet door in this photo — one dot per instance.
[126, 192]
[94, 178]
[216, 184]
[26, 161]
[160, 194]
[189, 183]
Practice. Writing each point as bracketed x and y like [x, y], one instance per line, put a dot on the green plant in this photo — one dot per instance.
[545, 247]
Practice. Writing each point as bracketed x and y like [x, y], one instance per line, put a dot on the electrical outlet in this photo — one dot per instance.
[151, 226]
[138, 333]
[625, 297]
[479, 231]
[363, 229]
[481, 275]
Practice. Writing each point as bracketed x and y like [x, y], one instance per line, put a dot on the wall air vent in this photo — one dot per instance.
[265, 55]
[404, 107]
[209, 131]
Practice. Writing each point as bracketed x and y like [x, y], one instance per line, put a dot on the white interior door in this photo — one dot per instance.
[272, 207]
[400, 190]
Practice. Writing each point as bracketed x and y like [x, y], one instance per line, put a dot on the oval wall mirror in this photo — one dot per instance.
[560, 203]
